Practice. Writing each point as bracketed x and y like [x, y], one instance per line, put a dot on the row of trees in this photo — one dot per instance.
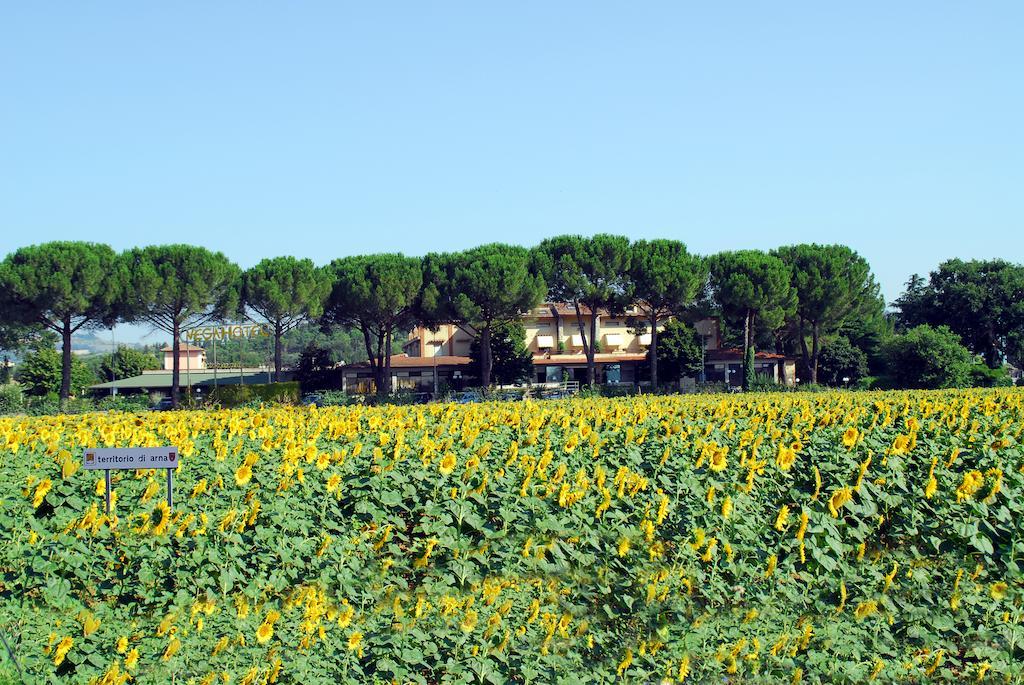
[64, 287]
[792, 299]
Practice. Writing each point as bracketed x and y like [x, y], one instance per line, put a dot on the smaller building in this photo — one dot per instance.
[418, 374]
[158, 382]
[189, 357]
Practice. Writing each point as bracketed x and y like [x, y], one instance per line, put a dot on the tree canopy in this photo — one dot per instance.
[590, 274]
[126, 362]
[478, 289]
[63, 287]
[174, 287]
[285, 292]
[16, 336]
[832, 283]
[753, 287]
[665, 279]
[378, 294]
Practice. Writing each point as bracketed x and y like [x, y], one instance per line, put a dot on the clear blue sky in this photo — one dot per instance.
[328, 129]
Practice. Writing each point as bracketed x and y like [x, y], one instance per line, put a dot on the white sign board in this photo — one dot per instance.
[131, 458]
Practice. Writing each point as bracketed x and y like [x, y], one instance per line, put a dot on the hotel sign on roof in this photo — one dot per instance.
[232, 332]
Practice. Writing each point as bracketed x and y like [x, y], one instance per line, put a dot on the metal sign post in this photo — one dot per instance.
[106, 490]
[108, 459]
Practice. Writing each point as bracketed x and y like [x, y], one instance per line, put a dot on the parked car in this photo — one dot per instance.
[165, 404]
[510, 396]
[469, 396]
[312, 398]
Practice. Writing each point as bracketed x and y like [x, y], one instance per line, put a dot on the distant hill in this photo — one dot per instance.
[92, 342]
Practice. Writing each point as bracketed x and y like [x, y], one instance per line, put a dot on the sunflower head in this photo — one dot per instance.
[264, 632]
[447, 464]
[785, 458]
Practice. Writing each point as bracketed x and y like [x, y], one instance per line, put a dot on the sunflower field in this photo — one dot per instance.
[833, 538]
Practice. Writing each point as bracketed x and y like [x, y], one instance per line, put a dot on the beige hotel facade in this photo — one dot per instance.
[440, 357]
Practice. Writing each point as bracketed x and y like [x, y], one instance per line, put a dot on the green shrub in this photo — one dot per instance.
[876, 383]
[628, 389]
[40, 372]
[926, 357]
[264, 393]
[812, 387]
[679, 353]
[335, 398]
[402, 397]
[12, 399]
[79, 405]
[764, 384]
[42, 405]
[124, 403]
[981, 376]
[315, 369]
[839, 360]
[711, 387]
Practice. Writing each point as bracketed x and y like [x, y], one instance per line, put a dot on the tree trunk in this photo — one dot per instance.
[747, 326]
[588, 346]
[371, 356]
[175, 364]
[591, 354]
[991, 350]
[486, 362]
[379, 379]
[653, 351]
[558, 329]
[65, 365]
[814, 352]
[278, 334]
[387, 362]
[804, 352]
